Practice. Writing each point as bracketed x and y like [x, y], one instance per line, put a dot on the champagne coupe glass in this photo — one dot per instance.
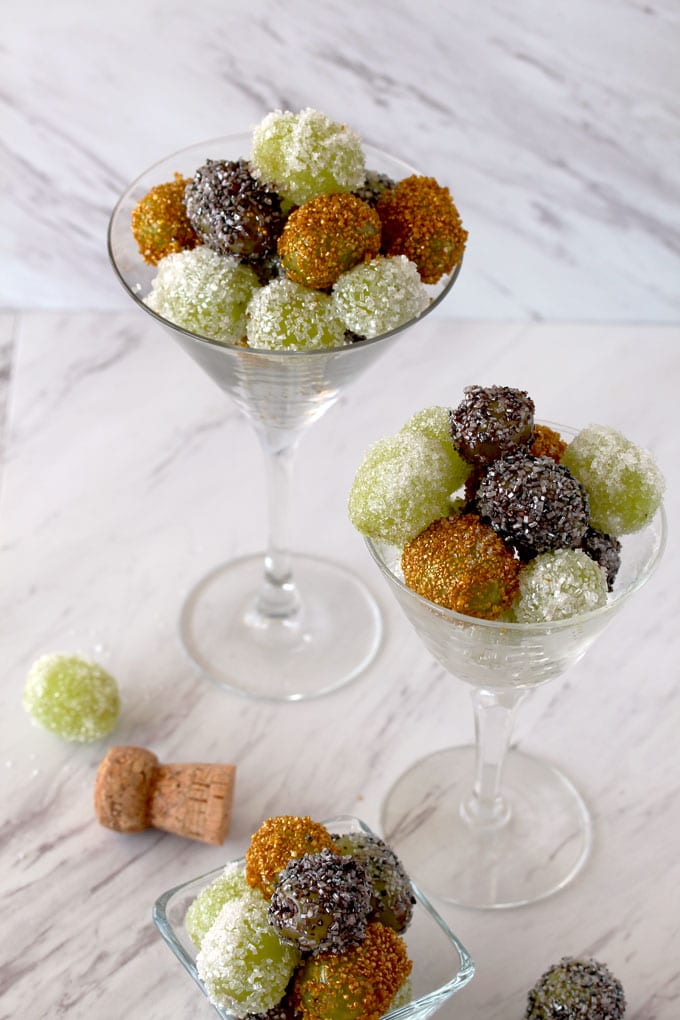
[485, 826]
[278, 625]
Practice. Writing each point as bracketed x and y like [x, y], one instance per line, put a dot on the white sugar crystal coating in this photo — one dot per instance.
[203, 911]
[285, 314]
[434, 421]
[72, 697]
[378, 296]
[404, 995]
[306, 154]
[559, 584]
[624, 483]
[204, 292]
[242, 962]
[403, 484]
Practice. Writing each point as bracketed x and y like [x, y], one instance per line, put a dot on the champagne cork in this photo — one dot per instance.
[133, 791]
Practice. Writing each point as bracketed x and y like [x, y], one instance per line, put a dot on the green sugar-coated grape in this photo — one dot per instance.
[403, 484]
[204, 292]
[72, 697]
[380, 295]
[403, 996]
[435, 422]
[306, 154]
[623, 481]
[242, 962]
[203, 911]
[286, 315]
[559, 584]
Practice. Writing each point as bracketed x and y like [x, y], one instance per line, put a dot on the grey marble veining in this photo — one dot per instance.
[8, 325]
[557, 130]
[115, 438]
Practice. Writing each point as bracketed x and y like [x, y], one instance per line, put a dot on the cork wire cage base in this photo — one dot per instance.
[441, 963]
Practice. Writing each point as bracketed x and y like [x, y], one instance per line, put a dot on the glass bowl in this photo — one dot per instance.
[441, 964]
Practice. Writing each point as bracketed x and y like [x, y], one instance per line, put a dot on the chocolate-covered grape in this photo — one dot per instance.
[605, 550]
[534, 504]
[232, 212]
[576, 989]
[321, 902]
[491, 422]
[392, 896]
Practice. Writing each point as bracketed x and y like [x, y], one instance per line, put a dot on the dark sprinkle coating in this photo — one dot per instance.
[321, 903]
[605, 550]
[533, 503]
[353, 338]
[374, 187]
[392, 899]
[284, 1011]
[268, 268]
[576, 990]
[471, 483]
[490, 422]
[232, 212]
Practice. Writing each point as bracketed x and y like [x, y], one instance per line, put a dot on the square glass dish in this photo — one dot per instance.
[441, 964]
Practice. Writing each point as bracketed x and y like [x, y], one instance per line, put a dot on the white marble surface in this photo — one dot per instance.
[556, 127]
[115, 441]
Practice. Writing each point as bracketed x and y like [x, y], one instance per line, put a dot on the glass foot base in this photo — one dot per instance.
[330, 642]
[539, 849]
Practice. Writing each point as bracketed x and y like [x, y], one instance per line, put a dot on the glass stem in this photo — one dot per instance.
[278, 596]
[494, 719]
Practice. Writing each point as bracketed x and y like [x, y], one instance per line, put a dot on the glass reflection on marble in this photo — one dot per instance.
[482, 825]
[274, 624]
[441, 963]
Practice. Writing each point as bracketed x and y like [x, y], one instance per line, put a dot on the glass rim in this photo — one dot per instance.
[240, 348]
[543, 627]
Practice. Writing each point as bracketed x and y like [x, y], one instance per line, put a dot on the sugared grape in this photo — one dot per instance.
[380, 295]
[204, 292]
[623, 481]
[72, 697]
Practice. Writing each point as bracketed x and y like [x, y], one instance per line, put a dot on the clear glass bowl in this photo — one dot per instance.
[441, 964]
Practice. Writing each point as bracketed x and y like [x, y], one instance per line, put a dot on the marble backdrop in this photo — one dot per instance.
[128, 474]
[556, 126]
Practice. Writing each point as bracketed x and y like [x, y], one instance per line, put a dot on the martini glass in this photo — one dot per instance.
[277, 624]
[485, 825]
